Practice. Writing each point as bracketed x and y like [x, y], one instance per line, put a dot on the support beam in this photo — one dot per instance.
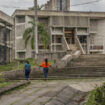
[5, 45]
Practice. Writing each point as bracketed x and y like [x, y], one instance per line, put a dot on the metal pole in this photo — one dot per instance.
[36, 28]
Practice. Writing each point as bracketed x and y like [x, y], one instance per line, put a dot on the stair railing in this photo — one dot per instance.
[65, 43]
[78, 44]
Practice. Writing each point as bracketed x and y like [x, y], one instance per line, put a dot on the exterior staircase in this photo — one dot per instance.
[83, 67]
[73, 47]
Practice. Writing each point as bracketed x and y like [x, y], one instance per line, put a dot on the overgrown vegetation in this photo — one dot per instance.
[4, 82]
[17, 65]
[39, 7]
[97, 96]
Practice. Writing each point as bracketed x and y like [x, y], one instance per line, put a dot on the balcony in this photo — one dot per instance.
[96, 48]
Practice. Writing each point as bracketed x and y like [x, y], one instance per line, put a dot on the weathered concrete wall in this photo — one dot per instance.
[51, 56]
[6, 18]
[22, 23]
[58, 5]
[6, 37]
[101, 33]
[92, 15]
[72, 21]
[93, 25]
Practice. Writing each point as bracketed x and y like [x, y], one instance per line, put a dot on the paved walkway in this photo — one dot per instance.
[64, 92]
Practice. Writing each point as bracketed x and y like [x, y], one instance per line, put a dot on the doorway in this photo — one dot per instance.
[69, 35]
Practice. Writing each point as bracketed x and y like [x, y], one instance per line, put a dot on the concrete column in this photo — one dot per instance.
[88, 44]
[68, 5]
[51, 39]
[54, 4]
[16, 56]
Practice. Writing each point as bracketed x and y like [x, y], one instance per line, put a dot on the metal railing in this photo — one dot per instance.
[97, 44]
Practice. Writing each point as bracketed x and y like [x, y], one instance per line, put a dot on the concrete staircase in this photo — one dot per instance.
[73, 47]
[83, 67]
[87, 61]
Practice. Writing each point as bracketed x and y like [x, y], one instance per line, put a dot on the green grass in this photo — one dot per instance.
[97, 96]
[5, 84]
[17, 65]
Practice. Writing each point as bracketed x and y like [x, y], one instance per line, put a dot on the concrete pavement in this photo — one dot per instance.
[60, 92]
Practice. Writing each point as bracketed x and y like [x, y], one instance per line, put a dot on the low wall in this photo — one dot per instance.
[50, 56]
[38, 71]
[20, 74]
[66, 59]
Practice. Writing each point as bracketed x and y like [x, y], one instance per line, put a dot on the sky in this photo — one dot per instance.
[9, 6]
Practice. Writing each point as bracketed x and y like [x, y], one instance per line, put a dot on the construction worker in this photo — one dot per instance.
[27, 70]
[45, 66]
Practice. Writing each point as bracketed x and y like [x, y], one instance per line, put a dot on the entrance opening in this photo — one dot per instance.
[70, 38]
[69, 35]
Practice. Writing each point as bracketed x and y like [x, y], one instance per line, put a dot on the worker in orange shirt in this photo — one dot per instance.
[46, 66]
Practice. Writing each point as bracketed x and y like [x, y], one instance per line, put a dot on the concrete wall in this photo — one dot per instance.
[79, 20]
[101, 32]
[70, 21]
[55, 5]
[20, 26]
[6, 38]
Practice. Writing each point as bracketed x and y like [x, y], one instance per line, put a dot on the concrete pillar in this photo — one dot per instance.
[68, 5]
[88, 44]
[51, 39]
[54, 4]
[16, 56]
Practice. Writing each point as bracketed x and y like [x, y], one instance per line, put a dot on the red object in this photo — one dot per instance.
[44, 65]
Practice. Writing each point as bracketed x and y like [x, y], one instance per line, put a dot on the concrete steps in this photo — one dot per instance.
[73, 47]
[88, 60]
[85, 66]
[72, 72]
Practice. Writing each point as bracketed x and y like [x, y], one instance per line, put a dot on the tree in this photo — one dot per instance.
[29, 35]
[38, 7]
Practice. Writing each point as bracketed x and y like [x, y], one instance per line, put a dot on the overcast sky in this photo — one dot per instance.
[9, 6]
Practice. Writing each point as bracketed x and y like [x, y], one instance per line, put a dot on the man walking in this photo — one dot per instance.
[27, 70]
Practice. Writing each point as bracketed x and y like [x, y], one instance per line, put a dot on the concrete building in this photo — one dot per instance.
[6, 38]
[58, 5]
[68, 30]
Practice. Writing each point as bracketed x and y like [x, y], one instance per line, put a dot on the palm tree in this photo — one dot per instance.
[38, 7]
[29, 35]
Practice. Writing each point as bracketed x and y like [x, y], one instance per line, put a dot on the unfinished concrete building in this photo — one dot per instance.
[6, 38]
[68, 30]
[58, 5]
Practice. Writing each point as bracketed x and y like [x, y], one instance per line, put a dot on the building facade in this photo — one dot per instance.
[58, 5]
[6, 38]
[68, 30]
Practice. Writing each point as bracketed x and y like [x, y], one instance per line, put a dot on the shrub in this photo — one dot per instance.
[97, 96]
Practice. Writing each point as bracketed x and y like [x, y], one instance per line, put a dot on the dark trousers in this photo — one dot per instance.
[27, 73]
[45, 72]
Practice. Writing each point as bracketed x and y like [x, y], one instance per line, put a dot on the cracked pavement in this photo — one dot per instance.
[56, 92]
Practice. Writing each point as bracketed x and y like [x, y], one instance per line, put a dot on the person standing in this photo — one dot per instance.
[27, 70]
[45, 66]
